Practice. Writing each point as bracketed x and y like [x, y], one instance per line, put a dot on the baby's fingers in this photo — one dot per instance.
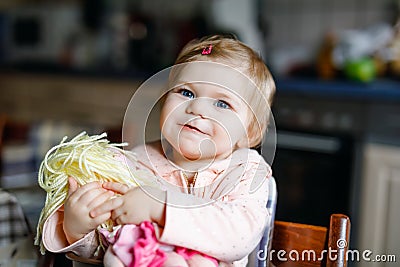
[106, 207]
[72, 185]
[100, 199]
[102, 218]
[82, 191]
[116, 187]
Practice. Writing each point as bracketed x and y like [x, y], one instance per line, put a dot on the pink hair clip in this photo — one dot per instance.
[207, 50]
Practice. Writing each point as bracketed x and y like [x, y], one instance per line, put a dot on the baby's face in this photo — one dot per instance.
[204, 120]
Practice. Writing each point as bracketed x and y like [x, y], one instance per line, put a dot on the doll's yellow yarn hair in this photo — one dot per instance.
[87, 159]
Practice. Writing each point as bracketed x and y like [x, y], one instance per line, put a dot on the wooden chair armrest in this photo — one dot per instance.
[339, 235]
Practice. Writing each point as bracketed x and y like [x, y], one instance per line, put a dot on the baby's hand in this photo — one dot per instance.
[79, 203]
[135, 205]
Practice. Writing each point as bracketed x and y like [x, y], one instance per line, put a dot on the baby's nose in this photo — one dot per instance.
[199, 106]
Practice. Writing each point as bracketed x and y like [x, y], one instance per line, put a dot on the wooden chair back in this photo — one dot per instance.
[295, 244]
[3, 120]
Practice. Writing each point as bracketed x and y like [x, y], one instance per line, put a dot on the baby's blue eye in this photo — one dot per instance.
[222, 104]
[186, 93]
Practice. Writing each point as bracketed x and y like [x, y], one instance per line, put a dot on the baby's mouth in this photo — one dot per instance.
[191, 127]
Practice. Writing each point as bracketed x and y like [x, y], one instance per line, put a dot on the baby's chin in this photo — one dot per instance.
[197, 153]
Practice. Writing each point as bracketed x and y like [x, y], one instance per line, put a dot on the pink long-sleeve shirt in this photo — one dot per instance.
[224, 215]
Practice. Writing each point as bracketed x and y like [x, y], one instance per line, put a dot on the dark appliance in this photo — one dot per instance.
[313, 173]
[318, 156]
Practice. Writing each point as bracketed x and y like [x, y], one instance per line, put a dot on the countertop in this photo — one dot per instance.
[368, 110]
[377, 90]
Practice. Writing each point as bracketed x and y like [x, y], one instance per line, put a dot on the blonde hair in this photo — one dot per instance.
[230, 51]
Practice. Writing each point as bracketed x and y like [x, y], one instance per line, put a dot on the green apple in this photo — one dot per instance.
[363, 69]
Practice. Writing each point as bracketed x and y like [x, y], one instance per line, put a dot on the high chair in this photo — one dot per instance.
[295, 244]
[265, 243]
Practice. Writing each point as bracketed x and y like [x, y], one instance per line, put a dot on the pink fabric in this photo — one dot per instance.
[146, 249]
[136, 246]
[188, 253]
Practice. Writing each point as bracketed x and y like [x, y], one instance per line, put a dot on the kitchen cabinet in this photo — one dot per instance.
[84, 100]
[380, 214]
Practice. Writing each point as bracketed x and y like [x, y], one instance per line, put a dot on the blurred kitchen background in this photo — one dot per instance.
[73, 65]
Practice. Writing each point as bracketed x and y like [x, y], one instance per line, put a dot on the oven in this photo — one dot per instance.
[314, 175]
[316, 163]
